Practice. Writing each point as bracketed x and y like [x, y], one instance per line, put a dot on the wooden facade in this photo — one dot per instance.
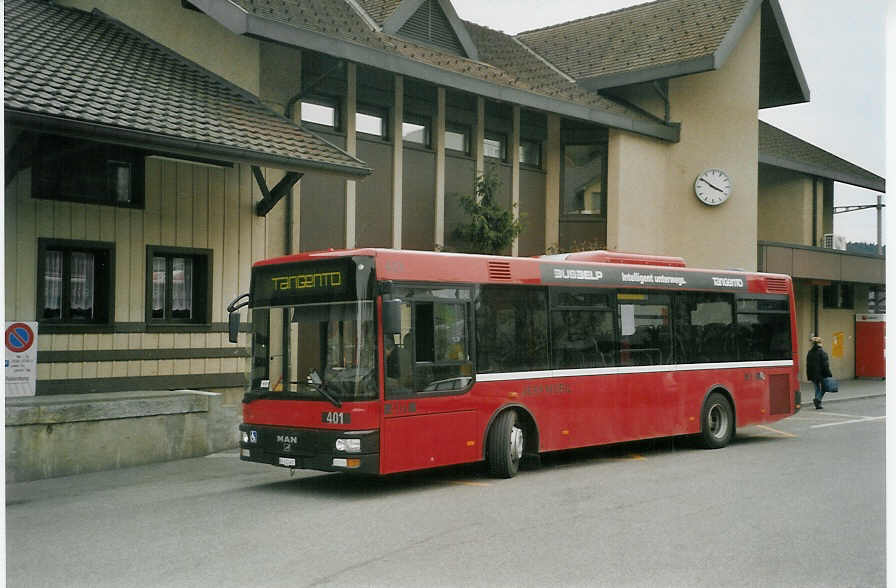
[186, 206]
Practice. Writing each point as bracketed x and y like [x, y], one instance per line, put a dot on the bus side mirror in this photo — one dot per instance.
[391, 317]
[233, 326]
[233, 321]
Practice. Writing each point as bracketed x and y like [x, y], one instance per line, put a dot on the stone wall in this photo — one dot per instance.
[61, 435]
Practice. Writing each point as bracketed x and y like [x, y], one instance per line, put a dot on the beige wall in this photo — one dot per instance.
[188, 32]
[830, 322]
[785, 206]
[651, 204]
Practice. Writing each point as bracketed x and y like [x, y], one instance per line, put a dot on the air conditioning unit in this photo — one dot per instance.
[832, 241]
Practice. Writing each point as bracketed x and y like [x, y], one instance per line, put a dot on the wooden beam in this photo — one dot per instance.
[272, 197]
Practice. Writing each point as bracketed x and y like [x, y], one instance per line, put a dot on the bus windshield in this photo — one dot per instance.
[314, 352]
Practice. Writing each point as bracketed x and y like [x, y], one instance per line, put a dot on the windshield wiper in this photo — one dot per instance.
[315, 382]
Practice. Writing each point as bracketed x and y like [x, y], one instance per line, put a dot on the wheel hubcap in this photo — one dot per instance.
[516, 443]
[718, 421]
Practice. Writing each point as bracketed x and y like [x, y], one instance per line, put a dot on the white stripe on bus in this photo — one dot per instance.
[648, 369]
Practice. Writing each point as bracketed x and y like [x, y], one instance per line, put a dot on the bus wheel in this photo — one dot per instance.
[506, 441]
[717, 422]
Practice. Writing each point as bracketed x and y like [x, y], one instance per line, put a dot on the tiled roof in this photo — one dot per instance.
[502, 61]
[379, 10]
[636, 38]
[782, 149]
[503, 52]
[87, 69]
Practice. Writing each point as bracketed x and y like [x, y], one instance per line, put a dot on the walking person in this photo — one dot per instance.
[818, 368]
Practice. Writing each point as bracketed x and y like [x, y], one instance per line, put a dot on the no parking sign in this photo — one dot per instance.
[21, 358]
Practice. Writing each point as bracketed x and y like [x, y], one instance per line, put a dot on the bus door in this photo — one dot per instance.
[429, 370]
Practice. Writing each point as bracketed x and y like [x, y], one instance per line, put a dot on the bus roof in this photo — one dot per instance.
[592, 268]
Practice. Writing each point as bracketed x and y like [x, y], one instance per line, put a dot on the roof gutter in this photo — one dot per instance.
[242, 23]
[154, 141]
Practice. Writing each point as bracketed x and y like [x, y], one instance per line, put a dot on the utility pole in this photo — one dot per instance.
[880, 216]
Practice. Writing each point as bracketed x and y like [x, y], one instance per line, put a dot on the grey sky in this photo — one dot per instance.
[841, 48]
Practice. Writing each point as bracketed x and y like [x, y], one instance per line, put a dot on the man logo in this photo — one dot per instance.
[287, 439]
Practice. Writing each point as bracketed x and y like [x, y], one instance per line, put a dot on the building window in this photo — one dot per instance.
[370, 121]
[178, 285]
[584, 180]
[530, 153]
[321, 112]
[458, 139]
[416, 130]
[74, 281]
[839, 295]
[495, 146]
[85, 171]
[877, 299]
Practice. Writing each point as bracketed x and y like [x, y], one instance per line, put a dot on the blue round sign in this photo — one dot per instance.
[19, 337]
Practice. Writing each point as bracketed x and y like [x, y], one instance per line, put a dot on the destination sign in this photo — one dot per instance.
[308, 280]
[552, 273]
[303, 283]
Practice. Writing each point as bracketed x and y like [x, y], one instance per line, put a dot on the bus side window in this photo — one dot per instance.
[582, 338]
[645, 334]
[511, 329]
[704, 328]
[431, 353]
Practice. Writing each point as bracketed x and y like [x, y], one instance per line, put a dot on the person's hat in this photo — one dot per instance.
[815, 339]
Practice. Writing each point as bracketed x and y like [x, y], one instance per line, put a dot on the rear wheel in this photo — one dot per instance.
[506, 441]
[717, 422]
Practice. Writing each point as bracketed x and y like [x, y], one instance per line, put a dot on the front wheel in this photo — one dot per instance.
[506, 441]
[717, 422]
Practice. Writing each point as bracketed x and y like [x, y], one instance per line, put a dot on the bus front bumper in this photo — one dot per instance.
[326, 450]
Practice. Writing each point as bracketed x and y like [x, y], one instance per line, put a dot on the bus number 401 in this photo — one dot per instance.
[336, 418]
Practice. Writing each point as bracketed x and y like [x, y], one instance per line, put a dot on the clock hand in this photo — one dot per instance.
[717, 189]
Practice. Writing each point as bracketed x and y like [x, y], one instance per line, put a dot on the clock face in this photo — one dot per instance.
[713, 187]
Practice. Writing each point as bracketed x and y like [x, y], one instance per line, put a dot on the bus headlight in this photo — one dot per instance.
[245, 436]
[249, 436]
[348, 445]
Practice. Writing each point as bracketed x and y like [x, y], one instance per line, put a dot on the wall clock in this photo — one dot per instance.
[712, 187]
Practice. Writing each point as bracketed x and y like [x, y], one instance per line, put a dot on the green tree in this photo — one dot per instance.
[490, 228]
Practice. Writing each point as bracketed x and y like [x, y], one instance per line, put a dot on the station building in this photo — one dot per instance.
[154, 150]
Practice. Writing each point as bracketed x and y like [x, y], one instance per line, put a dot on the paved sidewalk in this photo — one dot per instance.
[849, 390]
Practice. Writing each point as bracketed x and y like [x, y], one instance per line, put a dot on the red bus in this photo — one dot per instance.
[381, 361]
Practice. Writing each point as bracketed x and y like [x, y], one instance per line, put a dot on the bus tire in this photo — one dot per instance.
[506, 441]
[716, 422]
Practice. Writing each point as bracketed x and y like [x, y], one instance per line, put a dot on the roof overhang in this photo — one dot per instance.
[240, 22]
[197, 150]
[781, 79]
[878, 184]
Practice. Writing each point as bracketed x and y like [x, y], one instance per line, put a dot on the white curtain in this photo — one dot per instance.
[182, 287]
[53, 285]
[158, 287]
[82, 283]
